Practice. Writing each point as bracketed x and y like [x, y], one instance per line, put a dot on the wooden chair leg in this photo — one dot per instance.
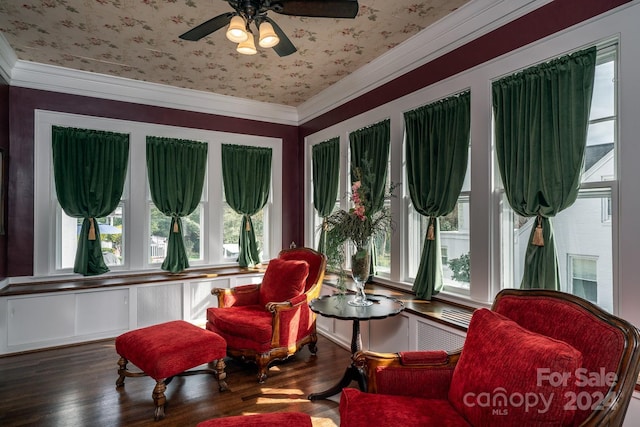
[159, 399]
[221, 375]
[122, 372]
[262, 360]
[313, 348]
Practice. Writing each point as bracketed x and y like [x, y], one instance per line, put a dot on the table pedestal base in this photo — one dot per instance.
[352, 373]
[336, 306]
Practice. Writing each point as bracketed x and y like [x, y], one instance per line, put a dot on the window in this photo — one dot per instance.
[382, 243]
[111, 233]
[454, 235]
[137, 233]
[444, 255]
[607, 203]
[454, 240]
[368, 147]
[317, 222]
[586, 226]
[583, 277]
[160, 227]
[231, 234]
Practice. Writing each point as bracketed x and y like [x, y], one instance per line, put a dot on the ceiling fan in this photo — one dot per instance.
[247, 12]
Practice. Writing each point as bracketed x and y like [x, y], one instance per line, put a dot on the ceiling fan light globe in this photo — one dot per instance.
[236, 31]
[268, 37]
[247, 47]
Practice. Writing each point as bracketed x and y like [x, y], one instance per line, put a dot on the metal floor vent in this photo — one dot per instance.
[435, 337]
[456, 316]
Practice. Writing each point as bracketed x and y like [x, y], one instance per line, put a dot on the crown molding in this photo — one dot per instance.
[8, 59]
[469, 22]
[60, 79]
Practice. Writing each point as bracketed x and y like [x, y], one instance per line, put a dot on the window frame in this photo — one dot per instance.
[136, 198]
[605, 188]
[413, 248]
[485, 220]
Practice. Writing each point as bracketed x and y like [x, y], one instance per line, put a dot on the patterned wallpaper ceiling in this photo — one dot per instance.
[138, 39]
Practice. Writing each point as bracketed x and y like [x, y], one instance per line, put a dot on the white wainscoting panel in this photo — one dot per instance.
[157, 304]
[41, 318]
[201, 298]
[32, 322]
[102, 312]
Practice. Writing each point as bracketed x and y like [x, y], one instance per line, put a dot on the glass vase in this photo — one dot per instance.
[360, 270]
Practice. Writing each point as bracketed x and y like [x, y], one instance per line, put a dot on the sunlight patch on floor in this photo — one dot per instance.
[273, 395]
[323, 422]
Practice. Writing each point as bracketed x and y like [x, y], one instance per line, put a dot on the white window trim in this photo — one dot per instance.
[136, 206]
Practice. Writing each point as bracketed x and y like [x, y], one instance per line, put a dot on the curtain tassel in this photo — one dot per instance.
[176, 229]
[247, 224]
[538, 240]
[92, 230]
[325, 224]
[430, 232]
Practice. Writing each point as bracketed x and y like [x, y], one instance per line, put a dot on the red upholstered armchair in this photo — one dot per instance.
[272, 320]
[536, 358]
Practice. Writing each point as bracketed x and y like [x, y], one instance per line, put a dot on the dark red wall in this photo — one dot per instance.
[21, 191]
[4, 146]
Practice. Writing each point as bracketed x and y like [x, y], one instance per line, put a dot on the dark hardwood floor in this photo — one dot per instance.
[75, 386]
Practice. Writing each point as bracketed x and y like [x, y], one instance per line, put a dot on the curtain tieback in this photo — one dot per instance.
[247, 225]
[325, 224]
[431, 235]
[538, 240]
[92, 230]
[176, 229]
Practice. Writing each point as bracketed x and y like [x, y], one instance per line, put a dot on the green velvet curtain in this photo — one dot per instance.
[541, 120]
[176, 170]
[325, 159]
[437, 153]
[369, 148]
[89, 169]
[246, 173]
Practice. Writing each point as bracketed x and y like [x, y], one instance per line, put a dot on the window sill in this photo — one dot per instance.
[38, 286]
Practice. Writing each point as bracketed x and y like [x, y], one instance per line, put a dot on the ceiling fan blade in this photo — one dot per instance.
[319, 8]
[206, 28]
[284, 47]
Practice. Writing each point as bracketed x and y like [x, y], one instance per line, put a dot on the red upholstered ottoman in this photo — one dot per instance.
[169, 349]
[284, 419]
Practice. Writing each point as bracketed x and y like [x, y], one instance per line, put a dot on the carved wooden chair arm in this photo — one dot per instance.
[427, 367]
[274, 307]
[240, 295]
